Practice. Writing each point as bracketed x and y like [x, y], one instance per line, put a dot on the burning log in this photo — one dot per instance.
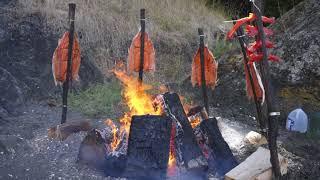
[94, 153]
[221, 158]
[198, 110]
[148, 147]
[186, 145]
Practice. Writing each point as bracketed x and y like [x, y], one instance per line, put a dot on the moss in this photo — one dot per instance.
[303, 95]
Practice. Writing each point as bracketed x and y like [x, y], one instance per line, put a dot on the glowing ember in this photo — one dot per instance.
[115, 141]
[194, 121]
[172, 156]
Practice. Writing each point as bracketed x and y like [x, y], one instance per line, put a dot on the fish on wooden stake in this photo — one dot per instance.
[134, 54]
[211, 67]
[60, 59]
[257, 83]
[254, 49]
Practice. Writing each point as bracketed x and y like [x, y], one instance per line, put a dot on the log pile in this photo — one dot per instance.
[197, 148]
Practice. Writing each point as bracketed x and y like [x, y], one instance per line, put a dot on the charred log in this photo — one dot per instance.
[114, 165]
[221, 158]
[94, 153]
[92, 150]
[186, 141]
[148, 147]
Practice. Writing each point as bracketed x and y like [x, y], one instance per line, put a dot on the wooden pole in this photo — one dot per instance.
[72, 8]
[242, 43]
[203, 76]
[143, 23]
[273, 114]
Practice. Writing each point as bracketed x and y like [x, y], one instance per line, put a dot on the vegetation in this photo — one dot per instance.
[106, 28]
[275, 8]
[98, 100]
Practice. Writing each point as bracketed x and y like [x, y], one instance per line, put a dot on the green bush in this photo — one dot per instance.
[98, 100]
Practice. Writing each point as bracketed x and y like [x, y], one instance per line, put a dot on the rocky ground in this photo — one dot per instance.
[26, 152]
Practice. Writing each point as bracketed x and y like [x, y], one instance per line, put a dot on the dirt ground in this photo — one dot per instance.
[27, 153]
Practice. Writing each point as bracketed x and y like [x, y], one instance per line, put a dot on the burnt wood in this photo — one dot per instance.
[92, 150]
[188, 146]
[93, 153]
[148, 147]
[221, 158]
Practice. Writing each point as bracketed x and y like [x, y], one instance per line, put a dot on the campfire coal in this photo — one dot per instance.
[160, 146]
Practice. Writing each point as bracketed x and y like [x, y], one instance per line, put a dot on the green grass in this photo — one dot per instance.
[98, 100]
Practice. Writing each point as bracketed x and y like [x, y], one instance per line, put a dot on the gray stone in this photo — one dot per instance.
[297, 43]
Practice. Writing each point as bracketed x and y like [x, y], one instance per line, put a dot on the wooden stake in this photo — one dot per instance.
[142, 22]
[72, 9]
[242, 43]
[273, 114]
[203, 76]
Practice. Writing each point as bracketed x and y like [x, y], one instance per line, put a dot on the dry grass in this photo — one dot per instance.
[107, 27]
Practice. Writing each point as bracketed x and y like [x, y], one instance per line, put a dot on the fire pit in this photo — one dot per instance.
[157, 140]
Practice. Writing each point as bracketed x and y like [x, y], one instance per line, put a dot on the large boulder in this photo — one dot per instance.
[298, 44]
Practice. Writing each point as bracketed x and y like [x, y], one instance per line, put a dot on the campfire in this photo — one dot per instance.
[159, 138]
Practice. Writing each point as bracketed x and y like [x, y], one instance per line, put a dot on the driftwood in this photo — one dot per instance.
[63, 131]
[221, 158]
[256, 166]
[148, 147]
[186, 144]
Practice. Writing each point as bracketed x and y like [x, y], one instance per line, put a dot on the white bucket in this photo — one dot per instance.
[297, 121]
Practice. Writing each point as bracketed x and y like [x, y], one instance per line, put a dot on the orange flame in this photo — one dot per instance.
[115, 141]
[138, 101]
[141, 103]
[194, 122]
[172, 168]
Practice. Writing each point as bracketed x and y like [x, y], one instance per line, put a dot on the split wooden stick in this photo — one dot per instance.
[203, 76]
[72, 9]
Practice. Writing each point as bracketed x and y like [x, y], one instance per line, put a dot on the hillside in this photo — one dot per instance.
[107, 27]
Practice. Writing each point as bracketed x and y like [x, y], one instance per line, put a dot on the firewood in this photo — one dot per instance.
[221, 158]
[63, 131]
[92, 150]
[190, 151]
[257, 166]
[148, 147]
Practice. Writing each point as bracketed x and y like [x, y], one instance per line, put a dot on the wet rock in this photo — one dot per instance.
[297, 43]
